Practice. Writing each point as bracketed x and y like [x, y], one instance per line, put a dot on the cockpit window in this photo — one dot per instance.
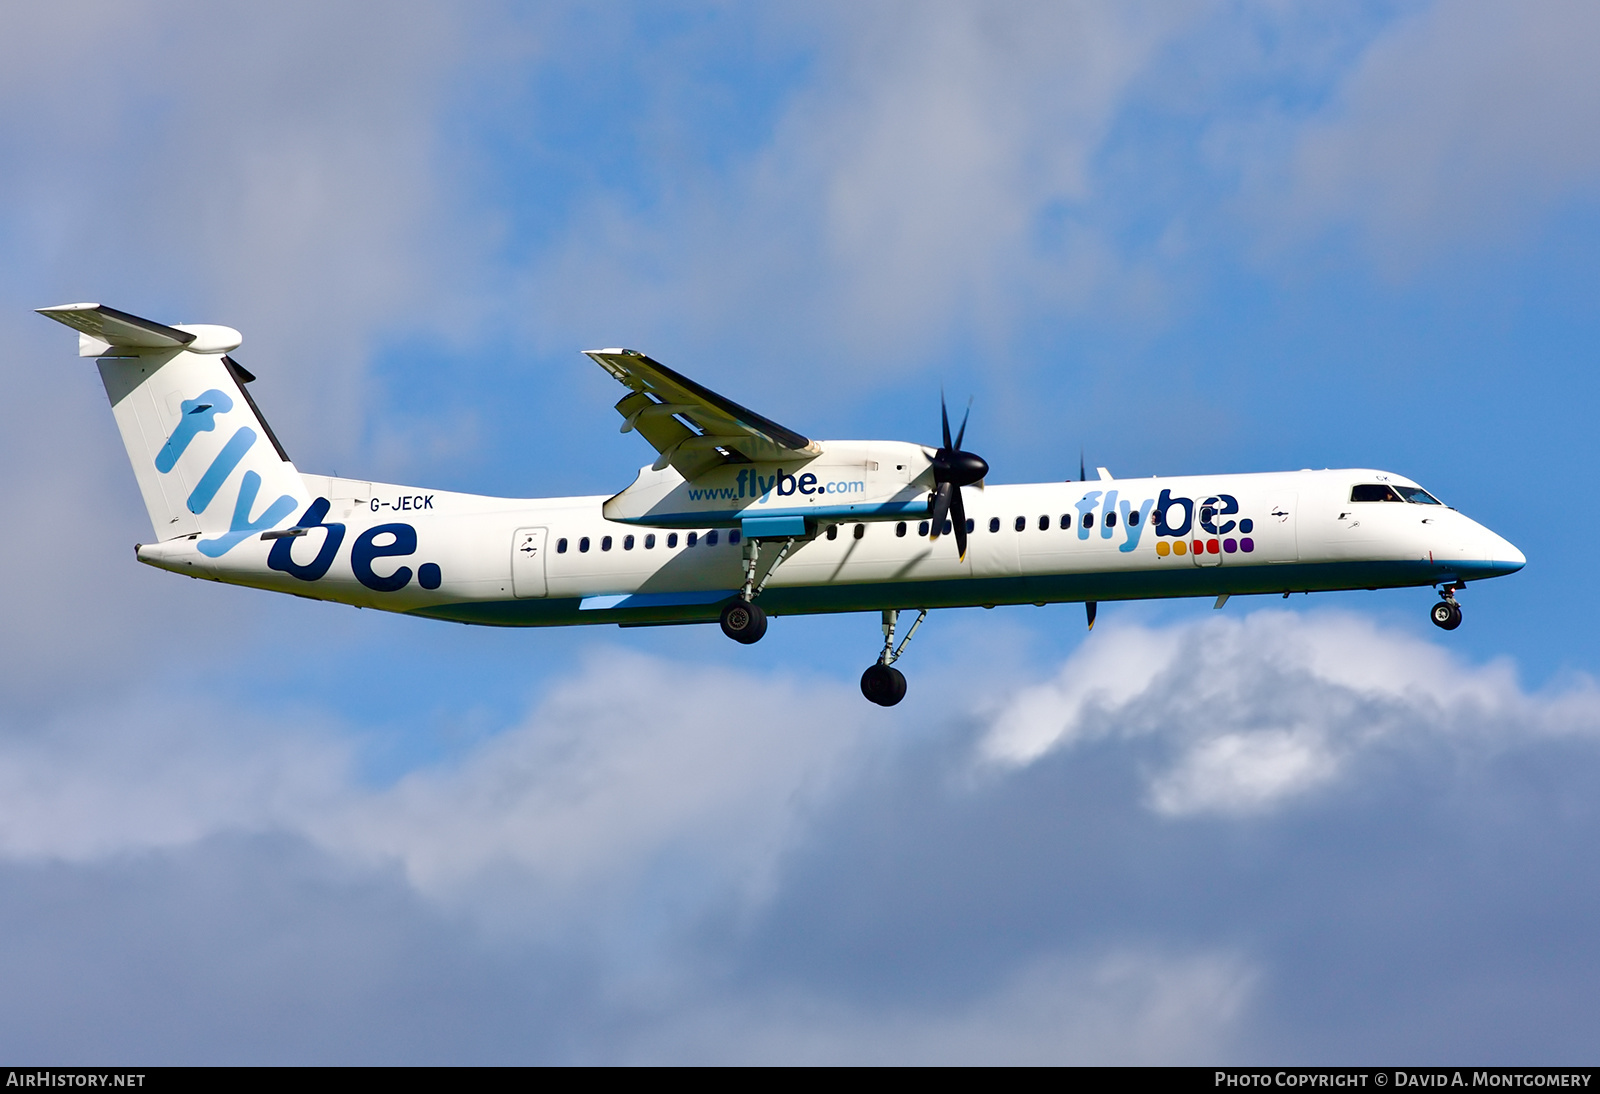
[1373, 491]
[1417, 495]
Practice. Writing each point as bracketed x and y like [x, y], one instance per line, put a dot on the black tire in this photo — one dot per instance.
[1446, 615]
[883, 684]
[743, 622]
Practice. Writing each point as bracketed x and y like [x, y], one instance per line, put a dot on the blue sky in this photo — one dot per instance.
[1178, 237]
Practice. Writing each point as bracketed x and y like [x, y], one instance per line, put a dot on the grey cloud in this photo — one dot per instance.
[669, 862]
[1463, 124]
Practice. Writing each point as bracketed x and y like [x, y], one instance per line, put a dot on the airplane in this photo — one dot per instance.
[738, 518]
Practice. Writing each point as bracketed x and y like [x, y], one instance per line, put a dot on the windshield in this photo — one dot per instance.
[1418, 495]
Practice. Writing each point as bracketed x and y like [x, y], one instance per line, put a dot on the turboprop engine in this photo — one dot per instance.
[845, 481]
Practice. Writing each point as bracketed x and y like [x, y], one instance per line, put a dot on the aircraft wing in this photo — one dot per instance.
[693, 427]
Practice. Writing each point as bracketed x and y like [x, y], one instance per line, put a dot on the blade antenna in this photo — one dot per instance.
[1083, 475]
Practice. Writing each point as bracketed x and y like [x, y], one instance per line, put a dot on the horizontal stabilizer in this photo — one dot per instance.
[102, 329]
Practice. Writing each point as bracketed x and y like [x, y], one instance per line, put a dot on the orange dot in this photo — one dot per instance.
[1162, 549]
[1179, 547]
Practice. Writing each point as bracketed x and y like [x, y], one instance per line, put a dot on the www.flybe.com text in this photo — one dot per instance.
[749, 484]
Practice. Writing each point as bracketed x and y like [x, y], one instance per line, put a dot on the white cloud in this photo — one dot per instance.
[1249, 714]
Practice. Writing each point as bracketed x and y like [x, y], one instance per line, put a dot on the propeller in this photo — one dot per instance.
[953, 469]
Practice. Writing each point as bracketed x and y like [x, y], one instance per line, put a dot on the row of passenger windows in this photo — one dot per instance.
[629, 542]
[709, 539]
[1020, 524]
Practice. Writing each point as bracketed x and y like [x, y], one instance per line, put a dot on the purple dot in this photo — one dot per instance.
[1247, 545]
[1229, 546]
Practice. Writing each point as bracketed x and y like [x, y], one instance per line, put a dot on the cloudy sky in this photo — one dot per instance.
[1180, 237]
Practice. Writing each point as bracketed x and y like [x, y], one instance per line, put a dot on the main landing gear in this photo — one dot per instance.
[882, 683]
[1446, 614]
[742, 620]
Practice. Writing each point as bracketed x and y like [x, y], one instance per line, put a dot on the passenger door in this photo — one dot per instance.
[527, 562]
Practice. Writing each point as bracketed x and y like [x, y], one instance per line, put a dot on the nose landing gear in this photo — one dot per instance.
[1446, 614]
[882, 683]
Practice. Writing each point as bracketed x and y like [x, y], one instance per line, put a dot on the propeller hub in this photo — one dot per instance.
[959, 468]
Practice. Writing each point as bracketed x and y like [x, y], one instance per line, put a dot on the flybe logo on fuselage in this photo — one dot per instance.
[1171, 519]
[199, 415]
[761, 488]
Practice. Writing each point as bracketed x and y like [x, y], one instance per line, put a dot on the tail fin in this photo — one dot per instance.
[207, 463]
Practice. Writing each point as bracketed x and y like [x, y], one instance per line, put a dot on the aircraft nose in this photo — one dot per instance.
[1502, 554]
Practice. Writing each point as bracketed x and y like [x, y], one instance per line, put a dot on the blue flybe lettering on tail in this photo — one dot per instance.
[199, 416]
[206, 489]
[242, 525]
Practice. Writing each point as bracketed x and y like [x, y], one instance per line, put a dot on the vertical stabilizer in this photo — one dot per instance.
[205, 460]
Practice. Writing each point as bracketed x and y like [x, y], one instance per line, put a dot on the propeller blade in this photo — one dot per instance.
[944, 417]
[958, 516]
[1090, 608]
[962, 432]
[941, 507]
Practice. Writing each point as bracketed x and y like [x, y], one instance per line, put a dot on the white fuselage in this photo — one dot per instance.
[557, 561]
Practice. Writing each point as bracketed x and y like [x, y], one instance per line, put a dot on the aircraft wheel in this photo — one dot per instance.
[883, 684]
[1446, 615]
[743, 622]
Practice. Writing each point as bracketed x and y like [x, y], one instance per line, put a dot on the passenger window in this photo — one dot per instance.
[1373, 491]
[833, 531]
[605, 543]
[561, 546]
[1066, 521]
[994, 524]
[650, 542]
[1044, 524]
[900, 529]
[1133, 516]
[583, 545]
[672, 539]
[945, 531]
[1111, 520]
[922, 529]
[711, 538]
[1020, 523]
[733, 536]
[1088, 520]
[971, 525]
[694, 537]
[861, 530]
[627, 543]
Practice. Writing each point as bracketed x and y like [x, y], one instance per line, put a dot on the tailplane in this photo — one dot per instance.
[206, 461]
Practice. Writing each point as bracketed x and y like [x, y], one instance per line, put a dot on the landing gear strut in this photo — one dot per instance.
[882, 683]
[1446, 614]
[741, 620]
